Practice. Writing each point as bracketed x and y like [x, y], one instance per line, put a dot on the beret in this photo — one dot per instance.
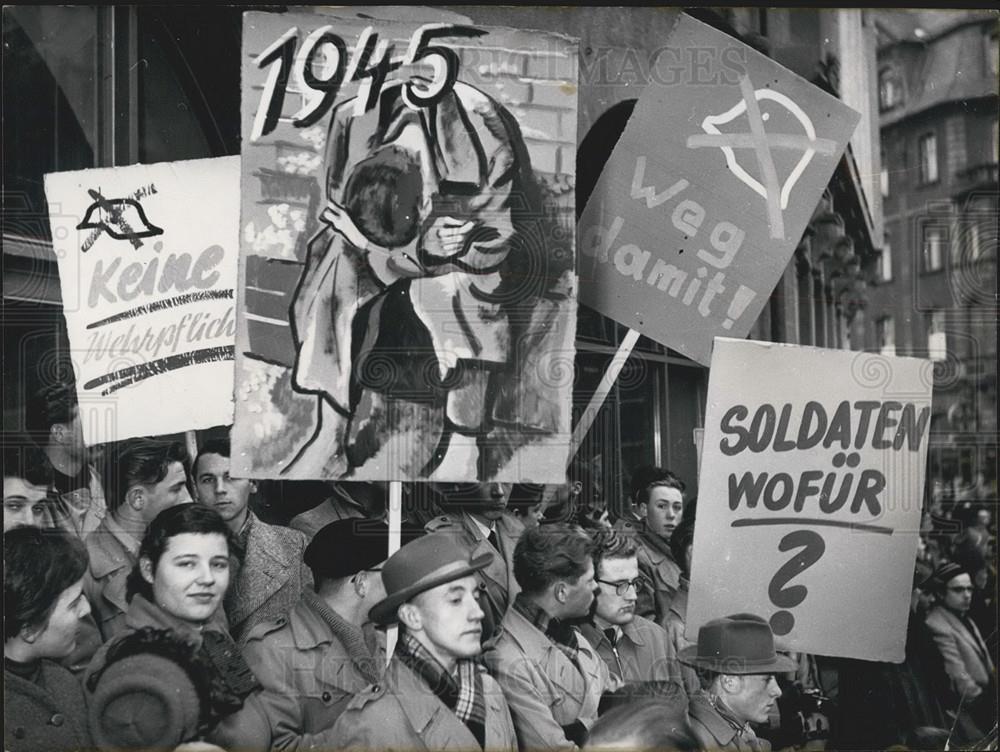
[144, 701]
[345, 547]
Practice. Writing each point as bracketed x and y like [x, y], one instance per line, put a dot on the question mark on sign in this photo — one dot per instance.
[813, 546]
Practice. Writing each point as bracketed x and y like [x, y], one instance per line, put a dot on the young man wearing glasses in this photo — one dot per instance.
[966, 657]
[634, 648]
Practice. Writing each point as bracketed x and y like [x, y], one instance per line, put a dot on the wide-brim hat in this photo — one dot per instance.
[144, 701]
[420, 565]
[738, 644]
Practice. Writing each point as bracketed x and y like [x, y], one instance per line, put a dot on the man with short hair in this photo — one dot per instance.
[269, 575]
[476, 518]
[736, 664]
[634, 648]
[27, 477]
[661, 506]
[435, 694]
[326, 650]
[142, 477]
[552, 677]
[52, 418]
[965, 655]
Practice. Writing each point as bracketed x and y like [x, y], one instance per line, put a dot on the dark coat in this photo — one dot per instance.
[50, 716]
[245, 729]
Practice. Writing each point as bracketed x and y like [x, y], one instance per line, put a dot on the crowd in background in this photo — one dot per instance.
[528, 617]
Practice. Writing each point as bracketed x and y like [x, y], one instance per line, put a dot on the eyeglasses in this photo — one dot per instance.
[621, 587]
[962, 589]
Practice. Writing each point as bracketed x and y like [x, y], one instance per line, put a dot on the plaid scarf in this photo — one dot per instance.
[559, 632]
[464, 697]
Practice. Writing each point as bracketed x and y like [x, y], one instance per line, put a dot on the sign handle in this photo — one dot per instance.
[603, 389]
[395, 535]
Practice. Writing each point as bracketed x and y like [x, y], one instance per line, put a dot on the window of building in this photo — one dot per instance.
[993, 52]
[937, 340]
[885, 263]
[928, 158]
[885, 333]
[890, 92]
[933, 251]
[996, 140]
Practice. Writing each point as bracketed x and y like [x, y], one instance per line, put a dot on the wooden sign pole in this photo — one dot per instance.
[603, 389]
[395, 535]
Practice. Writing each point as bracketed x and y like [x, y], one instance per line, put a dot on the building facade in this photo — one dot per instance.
[936, 288]
[106, 86]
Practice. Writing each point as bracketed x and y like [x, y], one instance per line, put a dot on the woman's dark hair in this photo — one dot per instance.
[176, 520]
[28, 462]
[550, 553]
[38, 565]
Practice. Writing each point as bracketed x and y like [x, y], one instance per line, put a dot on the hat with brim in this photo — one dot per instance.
[420, 565]
[739, 644]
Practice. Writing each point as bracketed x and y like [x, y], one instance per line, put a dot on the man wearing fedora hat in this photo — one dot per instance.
[312, 661]
[736, 664]
[435, 693]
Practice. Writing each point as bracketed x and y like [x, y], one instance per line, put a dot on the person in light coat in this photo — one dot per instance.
[435, 693]
[552, 677]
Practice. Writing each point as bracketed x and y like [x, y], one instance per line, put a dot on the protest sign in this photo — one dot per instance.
[707, 192]
[408, 292]
[147, 267]
[810, 495]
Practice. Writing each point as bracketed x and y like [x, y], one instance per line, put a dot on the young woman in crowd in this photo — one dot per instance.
[43, 606]
[175, 612]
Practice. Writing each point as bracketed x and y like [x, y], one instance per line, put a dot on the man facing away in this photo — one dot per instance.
[326, 650]
[52, 418]
[552, 677]
[736, 664]
[269, 575]
[435, 693]
[634, 648]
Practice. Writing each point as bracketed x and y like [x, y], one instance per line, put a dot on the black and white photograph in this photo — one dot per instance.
[500, 377]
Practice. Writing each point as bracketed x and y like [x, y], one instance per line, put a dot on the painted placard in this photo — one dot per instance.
[810, 494]
[147, 259]
[408, 292]
[707, 192]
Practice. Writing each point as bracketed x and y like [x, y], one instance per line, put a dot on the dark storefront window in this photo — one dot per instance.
[51, 119]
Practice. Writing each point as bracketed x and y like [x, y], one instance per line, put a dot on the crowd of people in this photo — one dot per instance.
[152, 600]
